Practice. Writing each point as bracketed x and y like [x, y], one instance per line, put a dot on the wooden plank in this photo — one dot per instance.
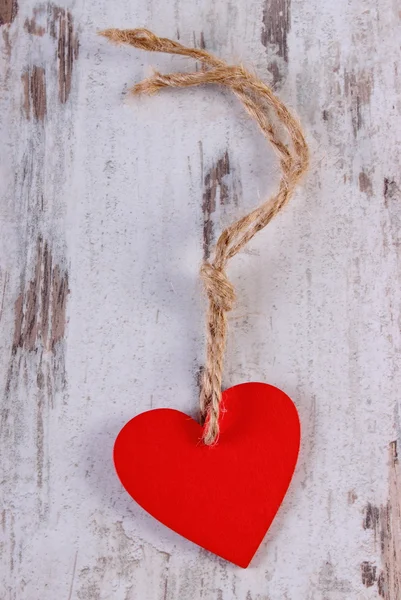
[108, 206]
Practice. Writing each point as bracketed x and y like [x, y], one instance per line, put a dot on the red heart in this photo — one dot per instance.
[221, 497]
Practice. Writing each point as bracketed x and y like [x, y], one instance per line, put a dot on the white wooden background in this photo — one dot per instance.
[107, 206]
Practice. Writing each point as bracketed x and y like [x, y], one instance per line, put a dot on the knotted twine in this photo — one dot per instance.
[289, 145]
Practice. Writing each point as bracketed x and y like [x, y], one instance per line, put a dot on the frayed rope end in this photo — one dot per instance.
[139, 38]
[147, 87]
[111, 34]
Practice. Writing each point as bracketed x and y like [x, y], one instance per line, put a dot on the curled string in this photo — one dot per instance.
[284, 133]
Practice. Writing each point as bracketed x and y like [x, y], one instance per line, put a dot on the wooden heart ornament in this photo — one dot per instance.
[222, 497]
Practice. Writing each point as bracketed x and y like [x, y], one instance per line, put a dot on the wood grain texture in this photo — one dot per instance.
[108, 205]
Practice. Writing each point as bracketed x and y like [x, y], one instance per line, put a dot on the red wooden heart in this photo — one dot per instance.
[222, 497]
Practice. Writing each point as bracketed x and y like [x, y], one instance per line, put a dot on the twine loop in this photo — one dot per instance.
[285, 135]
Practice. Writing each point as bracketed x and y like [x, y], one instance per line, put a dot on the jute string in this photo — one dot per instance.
[283, 131]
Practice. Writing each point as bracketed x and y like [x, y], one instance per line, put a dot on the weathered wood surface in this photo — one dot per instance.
[107, 207]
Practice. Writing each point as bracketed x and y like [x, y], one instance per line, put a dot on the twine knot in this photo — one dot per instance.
[219, 288]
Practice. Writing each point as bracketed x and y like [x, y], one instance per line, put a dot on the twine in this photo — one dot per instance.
[288, 143]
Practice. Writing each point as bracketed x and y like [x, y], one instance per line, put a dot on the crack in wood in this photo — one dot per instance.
[40, 311]
[34, 83]
[372, 516]
[390, 190]
[213, 183]
[368, 571]
[67, 52]
[358, 89]
[58, 22]
[385, 522]
[4, 279]
[365, 183]
[330, 582]
[276, 22]
[276, 26]
[8, 11]
[32, 27]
